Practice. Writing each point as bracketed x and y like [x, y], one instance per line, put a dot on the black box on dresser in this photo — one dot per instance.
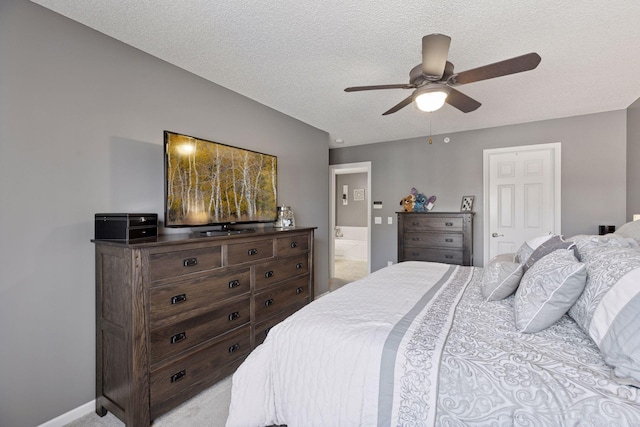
[126, 226]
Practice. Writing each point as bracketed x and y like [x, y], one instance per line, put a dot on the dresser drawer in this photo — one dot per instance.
[173, 264]
[269, 273]
[196, 295]
[413, 253]
[281, 298]
[427, 223]
[238, 253]
[187, 375]
[440, 240]
[292, 245]
[262, 329]
[173, 339]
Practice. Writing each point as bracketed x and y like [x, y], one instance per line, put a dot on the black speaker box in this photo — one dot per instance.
[126, 226]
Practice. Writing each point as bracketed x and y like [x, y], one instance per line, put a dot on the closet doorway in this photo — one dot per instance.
[350, 223]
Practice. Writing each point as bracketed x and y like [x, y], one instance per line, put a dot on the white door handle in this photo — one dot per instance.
[497, 235]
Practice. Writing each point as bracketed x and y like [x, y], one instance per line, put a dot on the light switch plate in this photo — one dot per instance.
[378, 220]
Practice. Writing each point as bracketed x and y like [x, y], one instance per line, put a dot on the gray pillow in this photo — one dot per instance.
[554, 243]
[548, 289]
[500, 279]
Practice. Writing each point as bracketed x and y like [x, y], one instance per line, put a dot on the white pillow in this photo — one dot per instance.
[527, 248]
[630, 229]
[548, 289]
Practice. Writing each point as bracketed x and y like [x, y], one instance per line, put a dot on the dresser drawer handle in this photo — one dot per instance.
[234, 347]
[268, 274]
[299, 266]
[178, 299]
[178, 376]
[268, 302]
[448, 256]
[299, 290]
[190, 262]
[448, 224]
[234, 315]
[448, 240]
[294, 244]
[415, 239]
[234, 284]
[415, 253]
[252, 252]
[178, 337]
[416, 223]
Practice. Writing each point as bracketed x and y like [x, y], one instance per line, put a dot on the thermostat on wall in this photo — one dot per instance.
[377, 205]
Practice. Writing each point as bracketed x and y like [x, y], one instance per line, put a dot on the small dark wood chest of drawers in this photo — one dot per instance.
[177, 314]
[436, 236]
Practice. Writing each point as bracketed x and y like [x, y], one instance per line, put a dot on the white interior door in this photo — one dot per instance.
[521, 196]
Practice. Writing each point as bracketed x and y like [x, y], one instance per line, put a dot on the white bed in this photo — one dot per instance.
[419, 344]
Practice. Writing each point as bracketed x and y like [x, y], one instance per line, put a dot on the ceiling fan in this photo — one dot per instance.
[434, 79]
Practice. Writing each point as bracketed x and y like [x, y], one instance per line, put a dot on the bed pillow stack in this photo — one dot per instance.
[504, 272]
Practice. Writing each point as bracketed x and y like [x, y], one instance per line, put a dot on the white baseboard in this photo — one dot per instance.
[70, 416]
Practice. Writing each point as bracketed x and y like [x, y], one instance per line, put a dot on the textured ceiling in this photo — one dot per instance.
[297, 56]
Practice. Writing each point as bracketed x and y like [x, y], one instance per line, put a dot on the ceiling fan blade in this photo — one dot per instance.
[461, 101]
[400, 105]
[503, 68]
[397, 86]
[435, 49]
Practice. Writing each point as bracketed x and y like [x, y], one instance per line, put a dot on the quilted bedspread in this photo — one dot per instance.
[416, 344]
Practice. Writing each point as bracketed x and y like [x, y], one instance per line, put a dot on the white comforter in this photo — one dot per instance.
[332, 369]
[416, 344]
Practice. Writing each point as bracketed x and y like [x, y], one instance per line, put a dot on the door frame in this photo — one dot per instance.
[344, 169]
[556, 148]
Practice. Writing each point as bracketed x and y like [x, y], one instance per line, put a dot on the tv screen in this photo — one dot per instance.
[208, 183]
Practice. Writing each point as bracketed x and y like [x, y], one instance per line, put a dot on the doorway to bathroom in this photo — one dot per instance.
[350, 223]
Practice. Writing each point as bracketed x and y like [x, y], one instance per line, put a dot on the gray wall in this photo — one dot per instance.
[354, 214]
[633, 160]
[593, 173]
[81, 121]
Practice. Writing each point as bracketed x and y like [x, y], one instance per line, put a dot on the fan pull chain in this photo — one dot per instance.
[430, 140]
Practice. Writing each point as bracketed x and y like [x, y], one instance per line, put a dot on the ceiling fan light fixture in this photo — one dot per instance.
[431, 98]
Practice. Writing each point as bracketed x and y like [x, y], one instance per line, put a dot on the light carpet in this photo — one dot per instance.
[209, 408]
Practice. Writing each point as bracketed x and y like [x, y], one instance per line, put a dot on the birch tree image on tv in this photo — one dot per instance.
[211, 183]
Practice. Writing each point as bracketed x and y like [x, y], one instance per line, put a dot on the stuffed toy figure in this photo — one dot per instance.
[408, 203]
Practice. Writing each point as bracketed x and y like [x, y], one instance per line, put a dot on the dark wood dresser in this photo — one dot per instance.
[179, 313]
[436, 236]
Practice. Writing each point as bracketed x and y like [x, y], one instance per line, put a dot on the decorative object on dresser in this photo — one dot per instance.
[285, 218]
[179, 313]
[467, 204]
[436, 236]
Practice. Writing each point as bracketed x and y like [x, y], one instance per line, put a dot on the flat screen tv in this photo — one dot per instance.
[208, 183]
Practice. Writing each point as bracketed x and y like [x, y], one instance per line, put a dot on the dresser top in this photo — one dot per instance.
[437, 213]
[196, 236]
